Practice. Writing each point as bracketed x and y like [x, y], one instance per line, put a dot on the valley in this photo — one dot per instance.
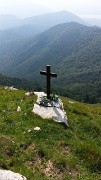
[72, 49]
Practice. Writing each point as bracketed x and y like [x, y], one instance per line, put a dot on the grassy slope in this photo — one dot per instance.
[53, 152]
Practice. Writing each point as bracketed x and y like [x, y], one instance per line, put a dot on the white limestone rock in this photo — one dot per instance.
[11, 88]
[54, 111]
[9, 175]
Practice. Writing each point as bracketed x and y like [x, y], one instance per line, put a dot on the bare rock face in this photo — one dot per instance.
[9, 175]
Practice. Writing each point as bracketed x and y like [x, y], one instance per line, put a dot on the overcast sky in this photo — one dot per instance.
[24, 8]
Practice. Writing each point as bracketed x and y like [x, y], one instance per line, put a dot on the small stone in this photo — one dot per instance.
[71, 102]
[29, 94]
[37, 129]
[18, 109]
[29, 130]
[6, 87]
[12, 88]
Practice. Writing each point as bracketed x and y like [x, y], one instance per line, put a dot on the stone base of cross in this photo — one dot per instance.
[48, 75]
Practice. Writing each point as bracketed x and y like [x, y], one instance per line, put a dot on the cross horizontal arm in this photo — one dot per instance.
[43, 72]
[53, 75]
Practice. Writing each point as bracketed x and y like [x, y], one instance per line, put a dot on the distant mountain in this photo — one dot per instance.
[48, 20]
[92, 21]
[60, 42]
[25, 31]
[40, 22]
[14, 41]
[8, 21]
[74, 52]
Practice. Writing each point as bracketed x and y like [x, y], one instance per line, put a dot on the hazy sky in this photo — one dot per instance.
[23, 8]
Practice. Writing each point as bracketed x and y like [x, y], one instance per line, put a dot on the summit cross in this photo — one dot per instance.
[48, 75]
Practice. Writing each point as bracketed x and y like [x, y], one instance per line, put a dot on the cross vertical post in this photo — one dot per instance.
[48, 75]
[48, 81]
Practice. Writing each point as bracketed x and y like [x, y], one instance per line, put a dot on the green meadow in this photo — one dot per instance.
[54, 152]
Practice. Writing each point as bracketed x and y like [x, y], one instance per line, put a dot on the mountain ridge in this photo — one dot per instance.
[48, 20]
[41, 22]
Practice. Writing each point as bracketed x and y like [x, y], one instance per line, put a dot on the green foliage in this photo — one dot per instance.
[53, 98]
[53, 152]
[18, 83]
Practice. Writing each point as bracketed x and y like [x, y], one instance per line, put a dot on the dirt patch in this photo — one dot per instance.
[51, 170]
[7, 145]
[73, 173]
[35, 162]
[64, 148]
[31, 147]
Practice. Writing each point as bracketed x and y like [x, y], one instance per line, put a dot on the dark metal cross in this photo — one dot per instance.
[48, 75]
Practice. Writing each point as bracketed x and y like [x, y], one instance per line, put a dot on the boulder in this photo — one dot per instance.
[9, 175]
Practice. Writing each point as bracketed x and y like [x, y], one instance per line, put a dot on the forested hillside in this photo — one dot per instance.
[74, 52]
[18, 83]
